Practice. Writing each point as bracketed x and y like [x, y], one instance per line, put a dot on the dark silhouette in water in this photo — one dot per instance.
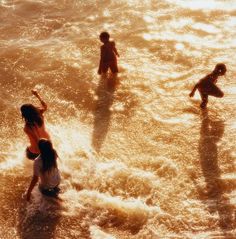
[207, 85]
[109, 54]
[214, 194]
[102, 112]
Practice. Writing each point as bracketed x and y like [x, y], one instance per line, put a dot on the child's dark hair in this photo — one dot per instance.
[220, 68]
[47, 154]
[104, 35]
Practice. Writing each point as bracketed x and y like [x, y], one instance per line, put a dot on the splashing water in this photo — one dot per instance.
[138, 159]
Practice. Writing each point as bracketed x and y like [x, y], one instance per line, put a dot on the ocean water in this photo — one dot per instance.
[139, 159]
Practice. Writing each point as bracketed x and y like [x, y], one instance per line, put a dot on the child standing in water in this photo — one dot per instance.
[207, 85]
[45, 168]
[108, 55]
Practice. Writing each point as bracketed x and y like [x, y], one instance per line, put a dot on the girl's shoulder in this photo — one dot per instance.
[28, 127]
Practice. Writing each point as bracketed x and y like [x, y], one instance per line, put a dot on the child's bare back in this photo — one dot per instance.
[108, 51]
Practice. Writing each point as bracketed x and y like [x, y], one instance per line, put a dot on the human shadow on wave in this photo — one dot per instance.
[211, 133]
[102, 112]
[40, 218]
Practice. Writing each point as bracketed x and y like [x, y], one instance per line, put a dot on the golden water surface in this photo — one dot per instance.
[139, 160]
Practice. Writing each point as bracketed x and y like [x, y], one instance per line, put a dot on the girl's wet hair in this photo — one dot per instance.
[47, 154]
[104, 35]
[220, 68]
[31, 114]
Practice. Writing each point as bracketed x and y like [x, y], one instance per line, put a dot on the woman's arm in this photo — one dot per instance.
[44, 105]
[31, 187]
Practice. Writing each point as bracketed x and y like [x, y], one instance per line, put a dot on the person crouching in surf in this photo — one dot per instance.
[207, 85]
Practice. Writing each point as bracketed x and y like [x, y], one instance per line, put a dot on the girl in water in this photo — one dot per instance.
[45, 168]
[34, 125]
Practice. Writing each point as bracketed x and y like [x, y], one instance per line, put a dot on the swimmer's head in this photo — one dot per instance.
[220, 69]
[104, 37]
[31, 114]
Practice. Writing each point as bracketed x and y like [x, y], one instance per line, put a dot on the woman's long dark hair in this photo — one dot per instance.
[31, 114]
[47, 154]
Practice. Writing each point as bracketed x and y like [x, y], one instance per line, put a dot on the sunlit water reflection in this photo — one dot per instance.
[139, 159]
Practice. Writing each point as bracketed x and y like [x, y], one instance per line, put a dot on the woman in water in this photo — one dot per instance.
[45, 168]
[34, 125]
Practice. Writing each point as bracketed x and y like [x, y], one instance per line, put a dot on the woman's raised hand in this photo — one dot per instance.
[35, 92]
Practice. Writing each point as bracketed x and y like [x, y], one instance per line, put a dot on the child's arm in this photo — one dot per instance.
[44, 105]
[115, 50]
[31, 187]
[100, 67]
[100, 62]
[193, 90]
[102, 56]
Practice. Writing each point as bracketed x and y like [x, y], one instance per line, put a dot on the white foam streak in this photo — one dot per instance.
[207, 5]
[97, 233]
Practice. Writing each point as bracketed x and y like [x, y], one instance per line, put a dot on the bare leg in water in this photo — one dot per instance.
[213, 90]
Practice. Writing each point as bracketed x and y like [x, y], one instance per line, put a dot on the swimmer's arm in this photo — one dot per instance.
[115, 50]
[193, 90]
[44, 105]
[31, 187]
[102, 54]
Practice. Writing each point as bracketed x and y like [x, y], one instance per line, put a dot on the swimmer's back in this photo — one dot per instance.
[108, 51]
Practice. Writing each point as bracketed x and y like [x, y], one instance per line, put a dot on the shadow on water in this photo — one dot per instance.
[19, 219]
[39, 219]
[102, 112]
[211, 133]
